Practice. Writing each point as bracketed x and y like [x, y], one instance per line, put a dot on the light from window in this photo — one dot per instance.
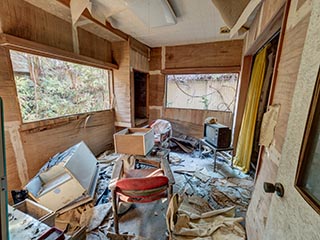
[51, 88]
[202, 91]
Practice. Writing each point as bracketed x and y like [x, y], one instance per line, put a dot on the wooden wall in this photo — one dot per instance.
[28, 146]
[283, 89]
[122, 90]
[129, 56]
[216, 54]
[21, 19]
[206, 57]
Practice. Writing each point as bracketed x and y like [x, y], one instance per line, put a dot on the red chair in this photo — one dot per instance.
[139, 185]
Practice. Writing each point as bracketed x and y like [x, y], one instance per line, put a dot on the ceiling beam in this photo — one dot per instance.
[107, 25]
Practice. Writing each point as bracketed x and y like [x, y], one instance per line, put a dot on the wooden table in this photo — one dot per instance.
[215, 151]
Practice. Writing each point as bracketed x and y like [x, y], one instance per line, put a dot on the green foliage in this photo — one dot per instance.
[205, 101]
[54, 88]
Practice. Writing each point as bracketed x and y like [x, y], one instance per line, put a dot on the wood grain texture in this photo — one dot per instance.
[269, 11]
[287, 76]
[39, 146]
[139, 61]
[99, 47]
[156, 90]
[122, 84]
[21, 19]
[242, 96]
[216, 54]
[285, 83]
[258, 209]
[155, 59]
[190, 121]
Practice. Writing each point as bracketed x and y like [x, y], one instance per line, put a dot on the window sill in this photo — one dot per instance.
[46, 124]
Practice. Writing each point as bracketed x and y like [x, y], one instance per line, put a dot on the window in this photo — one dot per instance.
[202, 91]
[51, 88]
[308, 177]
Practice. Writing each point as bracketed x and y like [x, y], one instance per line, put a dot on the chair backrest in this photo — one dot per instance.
[142, 189]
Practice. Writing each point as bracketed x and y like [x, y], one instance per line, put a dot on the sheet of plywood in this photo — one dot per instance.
[138, 61]
[122, 84]
[39, 145]
[99, 47]
[287, 75]
[216, 54]
[269, 11]
[21, 19]
[285, 82]
[155, 59]
[156, 90]
[190, 121]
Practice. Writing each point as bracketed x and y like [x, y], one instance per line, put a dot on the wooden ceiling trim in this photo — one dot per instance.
[24, 45]
[107, 25]
[246, 17]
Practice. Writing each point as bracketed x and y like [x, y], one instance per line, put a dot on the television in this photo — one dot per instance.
[217, 135]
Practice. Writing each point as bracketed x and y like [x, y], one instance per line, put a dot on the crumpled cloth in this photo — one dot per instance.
[217, 224]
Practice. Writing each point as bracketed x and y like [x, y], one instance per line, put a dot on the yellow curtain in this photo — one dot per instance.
[244, 148]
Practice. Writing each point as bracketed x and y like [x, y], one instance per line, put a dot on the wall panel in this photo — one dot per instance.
[216, 54]
[27, 150]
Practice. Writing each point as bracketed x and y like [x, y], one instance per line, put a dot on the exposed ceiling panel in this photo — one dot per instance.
[197, 21]
[193, 21]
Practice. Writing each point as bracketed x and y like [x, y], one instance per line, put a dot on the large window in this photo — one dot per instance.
[50, 88]
[202, 91]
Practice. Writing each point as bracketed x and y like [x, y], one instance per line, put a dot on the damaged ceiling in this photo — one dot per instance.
[153, 22]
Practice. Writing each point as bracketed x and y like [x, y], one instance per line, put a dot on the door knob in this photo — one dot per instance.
[271, 188]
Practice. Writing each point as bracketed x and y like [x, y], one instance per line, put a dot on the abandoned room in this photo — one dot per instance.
[160, 119]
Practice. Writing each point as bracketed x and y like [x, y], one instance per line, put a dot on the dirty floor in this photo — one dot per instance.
[194, 176]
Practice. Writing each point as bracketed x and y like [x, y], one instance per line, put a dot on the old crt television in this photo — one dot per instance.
[217, 135]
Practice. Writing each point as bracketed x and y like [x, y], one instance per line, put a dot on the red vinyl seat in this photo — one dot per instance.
[139, 185]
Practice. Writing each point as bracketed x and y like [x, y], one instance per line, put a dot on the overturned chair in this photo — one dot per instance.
[129, 184]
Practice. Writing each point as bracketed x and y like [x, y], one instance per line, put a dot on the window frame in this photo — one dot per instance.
[308, 138]
[195, 72]
[18, 44]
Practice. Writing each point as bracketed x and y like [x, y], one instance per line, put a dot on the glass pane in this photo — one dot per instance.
[202, 91]
[50, 88]
[310, 176]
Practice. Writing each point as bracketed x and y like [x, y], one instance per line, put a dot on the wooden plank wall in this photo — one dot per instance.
[128, 57]
[190, 121]
[288, 67]
[185, 57]
[27, 149]
[21, 19]
[264, 25]
[122, 91]
[216, 54]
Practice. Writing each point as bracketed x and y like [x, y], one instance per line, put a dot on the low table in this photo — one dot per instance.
[215, 151]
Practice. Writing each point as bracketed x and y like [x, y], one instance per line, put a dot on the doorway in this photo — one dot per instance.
[263, 102]
[140, 97]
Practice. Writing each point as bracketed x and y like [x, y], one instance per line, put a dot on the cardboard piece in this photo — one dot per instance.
[134, 141]
[67, 177]
[36, 211]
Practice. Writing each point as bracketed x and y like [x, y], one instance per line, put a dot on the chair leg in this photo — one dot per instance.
[115, 212]
[170, 192]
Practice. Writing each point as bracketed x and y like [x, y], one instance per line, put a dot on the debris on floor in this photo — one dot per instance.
[190, 220]
[216, 200]
[232, 191]
[63, 182]
[185, 143]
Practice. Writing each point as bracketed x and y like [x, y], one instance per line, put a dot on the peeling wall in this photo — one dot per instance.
[291, 217]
